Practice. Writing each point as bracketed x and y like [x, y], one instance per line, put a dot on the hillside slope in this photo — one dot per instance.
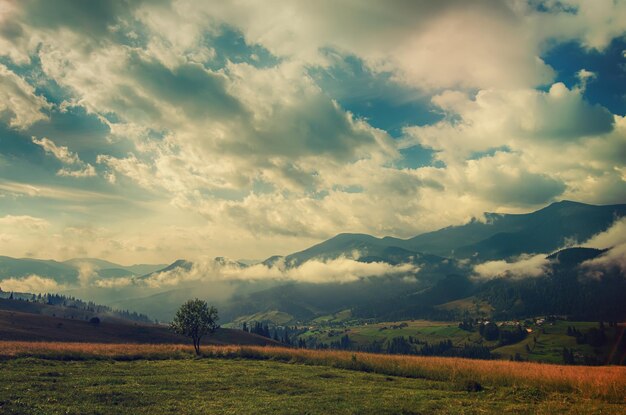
[33, 327]
[499, 236]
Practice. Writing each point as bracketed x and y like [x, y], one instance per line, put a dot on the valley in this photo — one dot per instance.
[424, 295]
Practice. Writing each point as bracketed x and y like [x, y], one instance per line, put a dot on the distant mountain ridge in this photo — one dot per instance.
[67, 272]
[501, 236]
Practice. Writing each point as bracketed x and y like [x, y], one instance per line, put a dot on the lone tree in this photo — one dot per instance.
[195, 319]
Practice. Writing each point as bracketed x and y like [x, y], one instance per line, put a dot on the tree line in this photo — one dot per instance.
[70, 302]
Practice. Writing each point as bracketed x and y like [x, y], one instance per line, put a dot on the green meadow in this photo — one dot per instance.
[241, 386]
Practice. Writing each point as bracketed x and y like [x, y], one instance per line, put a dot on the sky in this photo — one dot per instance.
[146, 131]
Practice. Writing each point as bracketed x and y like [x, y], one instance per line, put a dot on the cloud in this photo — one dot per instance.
[512, 118]
[53, 192]
[409, 39]
[130, 167]
[30, 284]
[214, 123]
[62, 153]
[524, 266]
[523, 147]
[24, 222]
[614, 238]
[87, 171]
[117, 282]
[345, 270]
[593, 24]
[20, 106]
[504, 178]
[65, 156]
[87, 272]
[339, 270]
[614, 258]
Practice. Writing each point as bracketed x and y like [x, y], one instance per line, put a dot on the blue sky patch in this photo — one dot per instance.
[608, 88]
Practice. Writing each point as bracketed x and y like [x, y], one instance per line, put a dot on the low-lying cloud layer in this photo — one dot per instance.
[613, 238]
[31, 284]
[339, 270]
[522, 267]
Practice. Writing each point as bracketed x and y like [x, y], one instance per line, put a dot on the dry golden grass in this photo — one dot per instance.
[588, 381]
[607, 382]
[10, 349]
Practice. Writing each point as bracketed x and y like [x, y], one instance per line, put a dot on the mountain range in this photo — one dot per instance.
[432, 275]
[68, 272]
[498, 236]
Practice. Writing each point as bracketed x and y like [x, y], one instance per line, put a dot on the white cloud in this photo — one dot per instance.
[87, 171]
[263, 157]
[523, 267]
[340, 270]
[30, 284]
[613, 239]
[614, 258]
[345, 270]
[24, 222]
[516, 147]
[20, 106]
[65, 156]
[86, 273]
[613, 236]
[18, 189]
[409, 39]
[594, 24]
[117, 282]
[62, 153]
[513, 118]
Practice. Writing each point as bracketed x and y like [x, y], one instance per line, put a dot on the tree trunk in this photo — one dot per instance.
[196, 346]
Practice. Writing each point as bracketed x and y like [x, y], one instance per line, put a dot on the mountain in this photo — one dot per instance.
[179, 264]
[67, 272]
[567, 287]
[102, 265]
[344, 244]
[508, 235]
[499, 236]
[442, 274]
[23, 267]
[572, 257]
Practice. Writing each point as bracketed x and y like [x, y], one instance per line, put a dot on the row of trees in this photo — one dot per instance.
[595, 337]
[77, 304]
[279, 334]
[491, 332]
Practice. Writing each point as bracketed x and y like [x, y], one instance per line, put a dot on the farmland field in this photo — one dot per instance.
[544, 342]
[46, 378]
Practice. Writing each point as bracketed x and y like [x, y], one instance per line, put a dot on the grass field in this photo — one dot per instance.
[424, 330]
[47, 378]
[547, 342]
